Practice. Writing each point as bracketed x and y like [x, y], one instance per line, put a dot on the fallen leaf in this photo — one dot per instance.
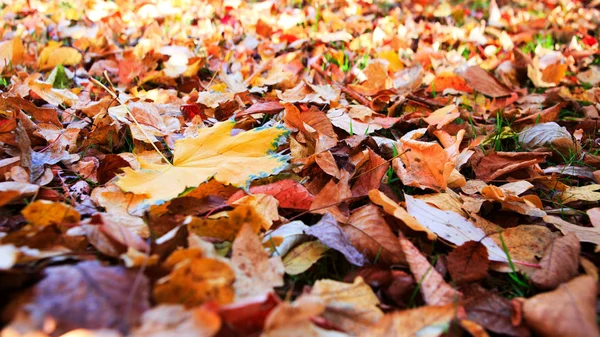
[492, 311]
[584, 234]
[351, 307]
[423, 164]
[547, 136]
[291, 234]
[570, 310]
[369, 175]
[88, 295]
[303, 256]
[434, 289]
[172, 320]
[392, 208]
[213, 153]
[372, 236]
[248, 316]
[255, 272]
[481, 81]
[43, 213]
[559, 264]
[265, 207]
[452, 227]
[289, 193]
[581, 193]
[468, 262]
[228, 226]
[332, 235]
[195, 280]
[497, 164]
[424, 321]
[53, 55]
[443, 116]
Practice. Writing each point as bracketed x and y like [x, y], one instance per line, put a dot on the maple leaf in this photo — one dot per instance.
[214, 152]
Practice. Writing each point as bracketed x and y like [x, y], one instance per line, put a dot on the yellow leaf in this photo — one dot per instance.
[11, 52]
[265, 206]
[299, 259]
[393, 59]
[234, 160]
[390, 207]
[226, 228]
[195, 280]
[44, 213]
[53, 55]
[581, 193]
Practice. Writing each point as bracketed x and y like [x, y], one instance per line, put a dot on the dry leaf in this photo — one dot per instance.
[424, 321]
[468, 262]
[371, 235]
[195, 280]
[213, 153]
[170, 320]
[392, 208]
[559, 264]
[255, 272]
[570, 310]
[44, 213]
[434, 289]
[332, 235]
[303, 256]
[452, 227]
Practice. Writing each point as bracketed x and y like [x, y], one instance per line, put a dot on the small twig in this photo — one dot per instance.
[355, 95]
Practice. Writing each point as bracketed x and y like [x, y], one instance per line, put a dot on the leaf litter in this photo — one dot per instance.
[285, 168]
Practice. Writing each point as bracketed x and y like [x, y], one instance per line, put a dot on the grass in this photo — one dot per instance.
[519, 284]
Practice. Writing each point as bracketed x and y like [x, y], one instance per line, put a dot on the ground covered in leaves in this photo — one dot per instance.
[223, 168]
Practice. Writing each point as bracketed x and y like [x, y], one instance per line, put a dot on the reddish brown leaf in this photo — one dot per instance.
[369, 176]
[559, 264]
[496, 164]
[481, 81]
[468, 262]
[109, 167]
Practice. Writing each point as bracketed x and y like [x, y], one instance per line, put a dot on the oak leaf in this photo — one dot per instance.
[234, 160]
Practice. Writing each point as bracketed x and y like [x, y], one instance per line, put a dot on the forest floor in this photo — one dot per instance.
[342, 168]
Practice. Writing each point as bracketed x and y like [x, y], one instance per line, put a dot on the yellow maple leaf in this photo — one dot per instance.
[234, 160]
[53, 55]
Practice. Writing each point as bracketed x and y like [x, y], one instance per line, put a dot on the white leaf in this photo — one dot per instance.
[452, 227]
[542, 135]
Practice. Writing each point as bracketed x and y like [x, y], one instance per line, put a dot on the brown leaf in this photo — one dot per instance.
[331, 196]
[369, 175]
[570, 310]
[481, 81]
[468, 262]
[89, 296]
[492, 311]
[434, 289]
[496, 164]
[256, 274]
[371, 235]
[109, 167]
[559, 264]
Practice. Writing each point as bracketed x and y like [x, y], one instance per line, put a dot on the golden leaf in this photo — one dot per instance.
[234, 160]
[53, 55]
[44, 213]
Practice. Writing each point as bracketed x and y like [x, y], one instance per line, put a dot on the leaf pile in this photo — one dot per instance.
[289, 168]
